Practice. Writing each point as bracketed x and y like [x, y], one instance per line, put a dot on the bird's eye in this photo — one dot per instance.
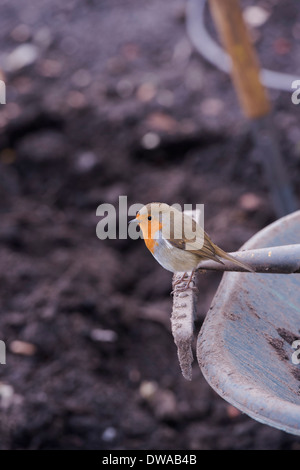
[149, 217]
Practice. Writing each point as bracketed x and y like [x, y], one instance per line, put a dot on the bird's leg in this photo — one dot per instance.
[187, 286]
[180, 280]
[190, 279]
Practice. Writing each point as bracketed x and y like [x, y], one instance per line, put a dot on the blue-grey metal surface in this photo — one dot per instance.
[245, 345]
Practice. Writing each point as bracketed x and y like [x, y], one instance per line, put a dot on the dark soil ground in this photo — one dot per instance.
[115, 101]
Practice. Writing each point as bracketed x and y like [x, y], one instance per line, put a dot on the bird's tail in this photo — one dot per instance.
[224, 255]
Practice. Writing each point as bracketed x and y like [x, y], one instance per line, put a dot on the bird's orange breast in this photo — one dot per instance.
[149, 230]
[150, 244]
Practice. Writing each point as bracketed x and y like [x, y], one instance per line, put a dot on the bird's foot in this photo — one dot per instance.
[179, 280]
[184, 289]
[187, 284]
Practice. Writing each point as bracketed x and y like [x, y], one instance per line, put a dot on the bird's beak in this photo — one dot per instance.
[134, 221]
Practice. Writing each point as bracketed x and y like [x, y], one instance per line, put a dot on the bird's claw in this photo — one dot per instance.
[184, 289]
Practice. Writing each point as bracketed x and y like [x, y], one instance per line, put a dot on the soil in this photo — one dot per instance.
[113, 100]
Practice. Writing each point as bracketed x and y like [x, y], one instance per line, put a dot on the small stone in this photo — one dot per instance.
[86, 161]
[22, 56]
[255, 16]
[146, 92]
[50, 68]
[43, 37]
[148, 389]
[21, 33]
[81, 78]
[23, 85]
[250, 202]
[212, 107]
[6, 395]
[22, 348]
[161, 401]
[125, 88]
[162, 122]
[109, 434]
[75, 99]
[164, 404]
[106, 336]
[150, 141]
[165, 98]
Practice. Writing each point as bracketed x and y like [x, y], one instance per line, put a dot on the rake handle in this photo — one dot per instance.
[229, 21]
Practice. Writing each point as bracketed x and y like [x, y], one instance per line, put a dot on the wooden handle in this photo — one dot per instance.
[231, 26]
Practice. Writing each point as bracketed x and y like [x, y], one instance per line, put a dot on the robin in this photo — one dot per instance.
[177, 242]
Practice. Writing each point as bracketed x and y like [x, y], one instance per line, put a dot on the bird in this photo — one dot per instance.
[177, 241]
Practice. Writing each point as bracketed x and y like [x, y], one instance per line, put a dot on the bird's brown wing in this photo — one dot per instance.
[187, 235]
[191, 237]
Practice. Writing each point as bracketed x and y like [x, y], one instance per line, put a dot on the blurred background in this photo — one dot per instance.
[108, 98]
